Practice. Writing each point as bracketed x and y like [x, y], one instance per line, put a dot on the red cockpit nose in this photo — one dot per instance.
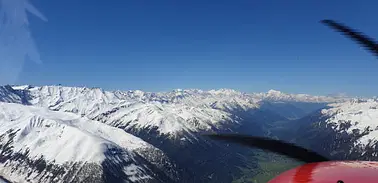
[331, 172]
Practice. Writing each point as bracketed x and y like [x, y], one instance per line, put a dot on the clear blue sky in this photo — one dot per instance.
[251, 45]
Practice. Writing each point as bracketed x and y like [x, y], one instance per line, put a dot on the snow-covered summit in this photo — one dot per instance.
[274, 92]
[359, 115]
[225, 91]
[44, 132]
[274, 95]
[21, 87]
[66, 138]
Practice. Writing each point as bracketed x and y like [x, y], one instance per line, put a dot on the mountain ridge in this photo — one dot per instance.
[185, 107]
[169, 121]
[271, 94]
[34, 133]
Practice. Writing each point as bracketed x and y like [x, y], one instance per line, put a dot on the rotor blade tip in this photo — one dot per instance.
[327, 21]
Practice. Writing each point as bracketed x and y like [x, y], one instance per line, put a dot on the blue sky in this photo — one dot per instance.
[250, 46]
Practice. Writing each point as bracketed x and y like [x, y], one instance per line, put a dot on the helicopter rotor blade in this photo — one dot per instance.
[276, 146]
[359, 37]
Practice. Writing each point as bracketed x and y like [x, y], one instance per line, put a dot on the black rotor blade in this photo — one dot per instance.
[359, 37]
[276, 146]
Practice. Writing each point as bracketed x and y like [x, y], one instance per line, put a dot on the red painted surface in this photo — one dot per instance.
[331, 172]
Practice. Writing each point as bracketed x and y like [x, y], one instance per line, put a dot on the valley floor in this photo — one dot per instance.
[269, 166]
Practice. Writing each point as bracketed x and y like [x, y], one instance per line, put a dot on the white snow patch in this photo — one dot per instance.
[135, 173]
[21, 87]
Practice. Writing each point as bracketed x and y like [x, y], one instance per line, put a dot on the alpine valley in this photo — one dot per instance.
[78, 134]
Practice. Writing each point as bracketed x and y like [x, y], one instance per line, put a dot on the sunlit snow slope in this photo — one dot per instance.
[358, 118]
[68, 144]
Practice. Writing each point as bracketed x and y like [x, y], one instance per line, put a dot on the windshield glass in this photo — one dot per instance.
[127, 91]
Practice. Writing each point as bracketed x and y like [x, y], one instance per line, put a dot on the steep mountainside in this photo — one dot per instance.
[41, 145]
[346, 130]
[340, 131]
[8, 94]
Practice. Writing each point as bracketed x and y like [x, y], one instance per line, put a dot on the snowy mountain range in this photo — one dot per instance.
[57, 139]
[78, 134]
[346, 130]
[169, 112]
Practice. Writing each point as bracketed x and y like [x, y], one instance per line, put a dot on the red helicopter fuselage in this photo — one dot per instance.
[331, 172]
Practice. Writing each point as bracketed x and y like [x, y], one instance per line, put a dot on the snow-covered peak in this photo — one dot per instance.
[274, 92]
[75, 145]
[21, 87]
[274, 95]
[225, 91]
[178, 90]
[64, 137]
[80, 100]
[361, 115]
